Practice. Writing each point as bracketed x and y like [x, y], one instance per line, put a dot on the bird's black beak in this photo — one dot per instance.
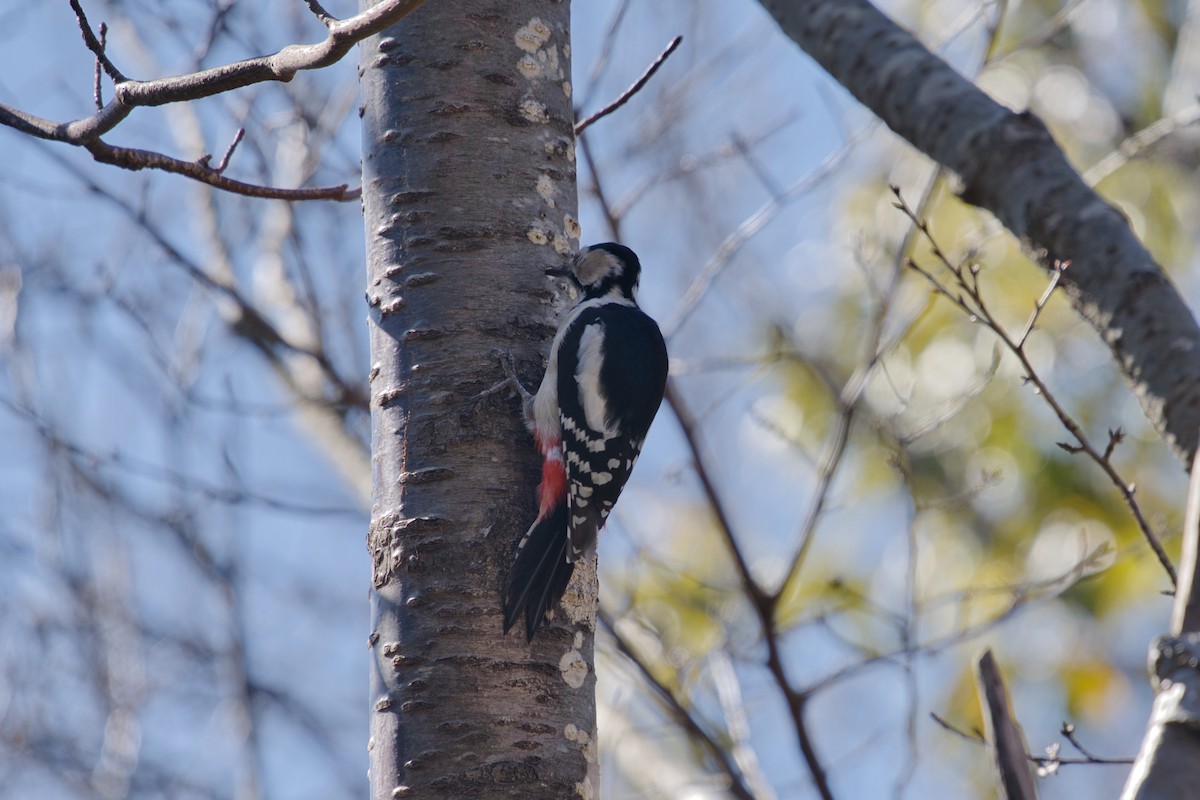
[565, 272]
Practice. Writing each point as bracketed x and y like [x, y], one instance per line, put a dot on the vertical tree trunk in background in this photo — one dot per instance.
[468, 195]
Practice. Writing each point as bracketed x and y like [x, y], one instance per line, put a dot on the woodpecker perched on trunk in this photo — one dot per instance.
[603, 385]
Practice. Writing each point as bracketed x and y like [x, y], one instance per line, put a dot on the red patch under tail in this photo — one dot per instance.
[553, 489]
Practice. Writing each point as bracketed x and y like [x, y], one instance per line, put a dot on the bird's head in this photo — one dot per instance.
[603, 269]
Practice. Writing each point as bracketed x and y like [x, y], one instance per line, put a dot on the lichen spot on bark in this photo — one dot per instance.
[534, 110]
[546, 189]
[571, 226]
[532, 35]
[573, 667]
[579, 601]
[581, 738]
[529, 67]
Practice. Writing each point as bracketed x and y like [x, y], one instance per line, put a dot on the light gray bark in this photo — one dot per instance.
[1168, 764]
[1009, 164]
[468, 195]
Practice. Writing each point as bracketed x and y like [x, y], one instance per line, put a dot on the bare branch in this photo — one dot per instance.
[1048, 31]
[692, 166]
[97, 95]
[632, 90]
[224, 162]
[1004, 738]
[613, 219]
[1059, 266]
[970, 300]
[129, 94]
[281, 66]
[700, 284]
[1138, 143]
[1068, 731]
[685, 719]
[763, 604]
[974, 736]
[1115, 437]
[846, 397]
[134, 159]
[96, 45]
[77, 132]
[1185, 614]
[605, 52]
[319, 11]
[1009, 164]
[1048, 763]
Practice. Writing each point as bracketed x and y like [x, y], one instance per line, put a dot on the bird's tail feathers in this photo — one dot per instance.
[540, 573]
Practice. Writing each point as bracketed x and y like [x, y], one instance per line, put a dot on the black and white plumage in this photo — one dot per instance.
[603, 385]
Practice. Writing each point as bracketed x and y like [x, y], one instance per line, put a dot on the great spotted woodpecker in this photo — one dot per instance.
[603, 385]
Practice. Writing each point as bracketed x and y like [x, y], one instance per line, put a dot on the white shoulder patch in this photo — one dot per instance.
[591, 356]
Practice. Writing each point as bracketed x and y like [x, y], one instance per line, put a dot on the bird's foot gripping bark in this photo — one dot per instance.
[511, 381]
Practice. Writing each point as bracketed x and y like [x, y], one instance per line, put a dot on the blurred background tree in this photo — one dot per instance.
[157, 451]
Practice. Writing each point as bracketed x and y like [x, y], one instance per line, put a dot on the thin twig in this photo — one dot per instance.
[216, 24]
[950, 408]
[130, 94]
[695, 164]
[975, 737]
[847, 398]
[719, 754]
[970, 300]
[632, 90]
[1044, 34]
[320, 13]
[764, 605]
[95, 45]
[1138, 143]
[732, 243]
[134, 159]
[224, 162]
[97, 96]
[1068, 731]
[1059, 267]
[614, 221]
[1115, 437]
[604, 53]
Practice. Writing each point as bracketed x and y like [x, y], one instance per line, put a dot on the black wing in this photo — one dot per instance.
[621, 354]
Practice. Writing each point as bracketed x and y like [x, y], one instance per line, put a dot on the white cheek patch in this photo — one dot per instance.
[593, 266]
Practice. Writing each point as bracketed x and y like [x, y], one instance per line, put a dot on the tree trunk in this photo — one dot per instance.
[468, 196]
[1010, 165]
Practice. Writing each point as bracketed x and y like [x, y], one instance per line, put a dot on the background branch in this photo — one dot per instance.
[129, 94]
[1004, 738]
[1009, 164]
[636, 87]
[968, 297]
